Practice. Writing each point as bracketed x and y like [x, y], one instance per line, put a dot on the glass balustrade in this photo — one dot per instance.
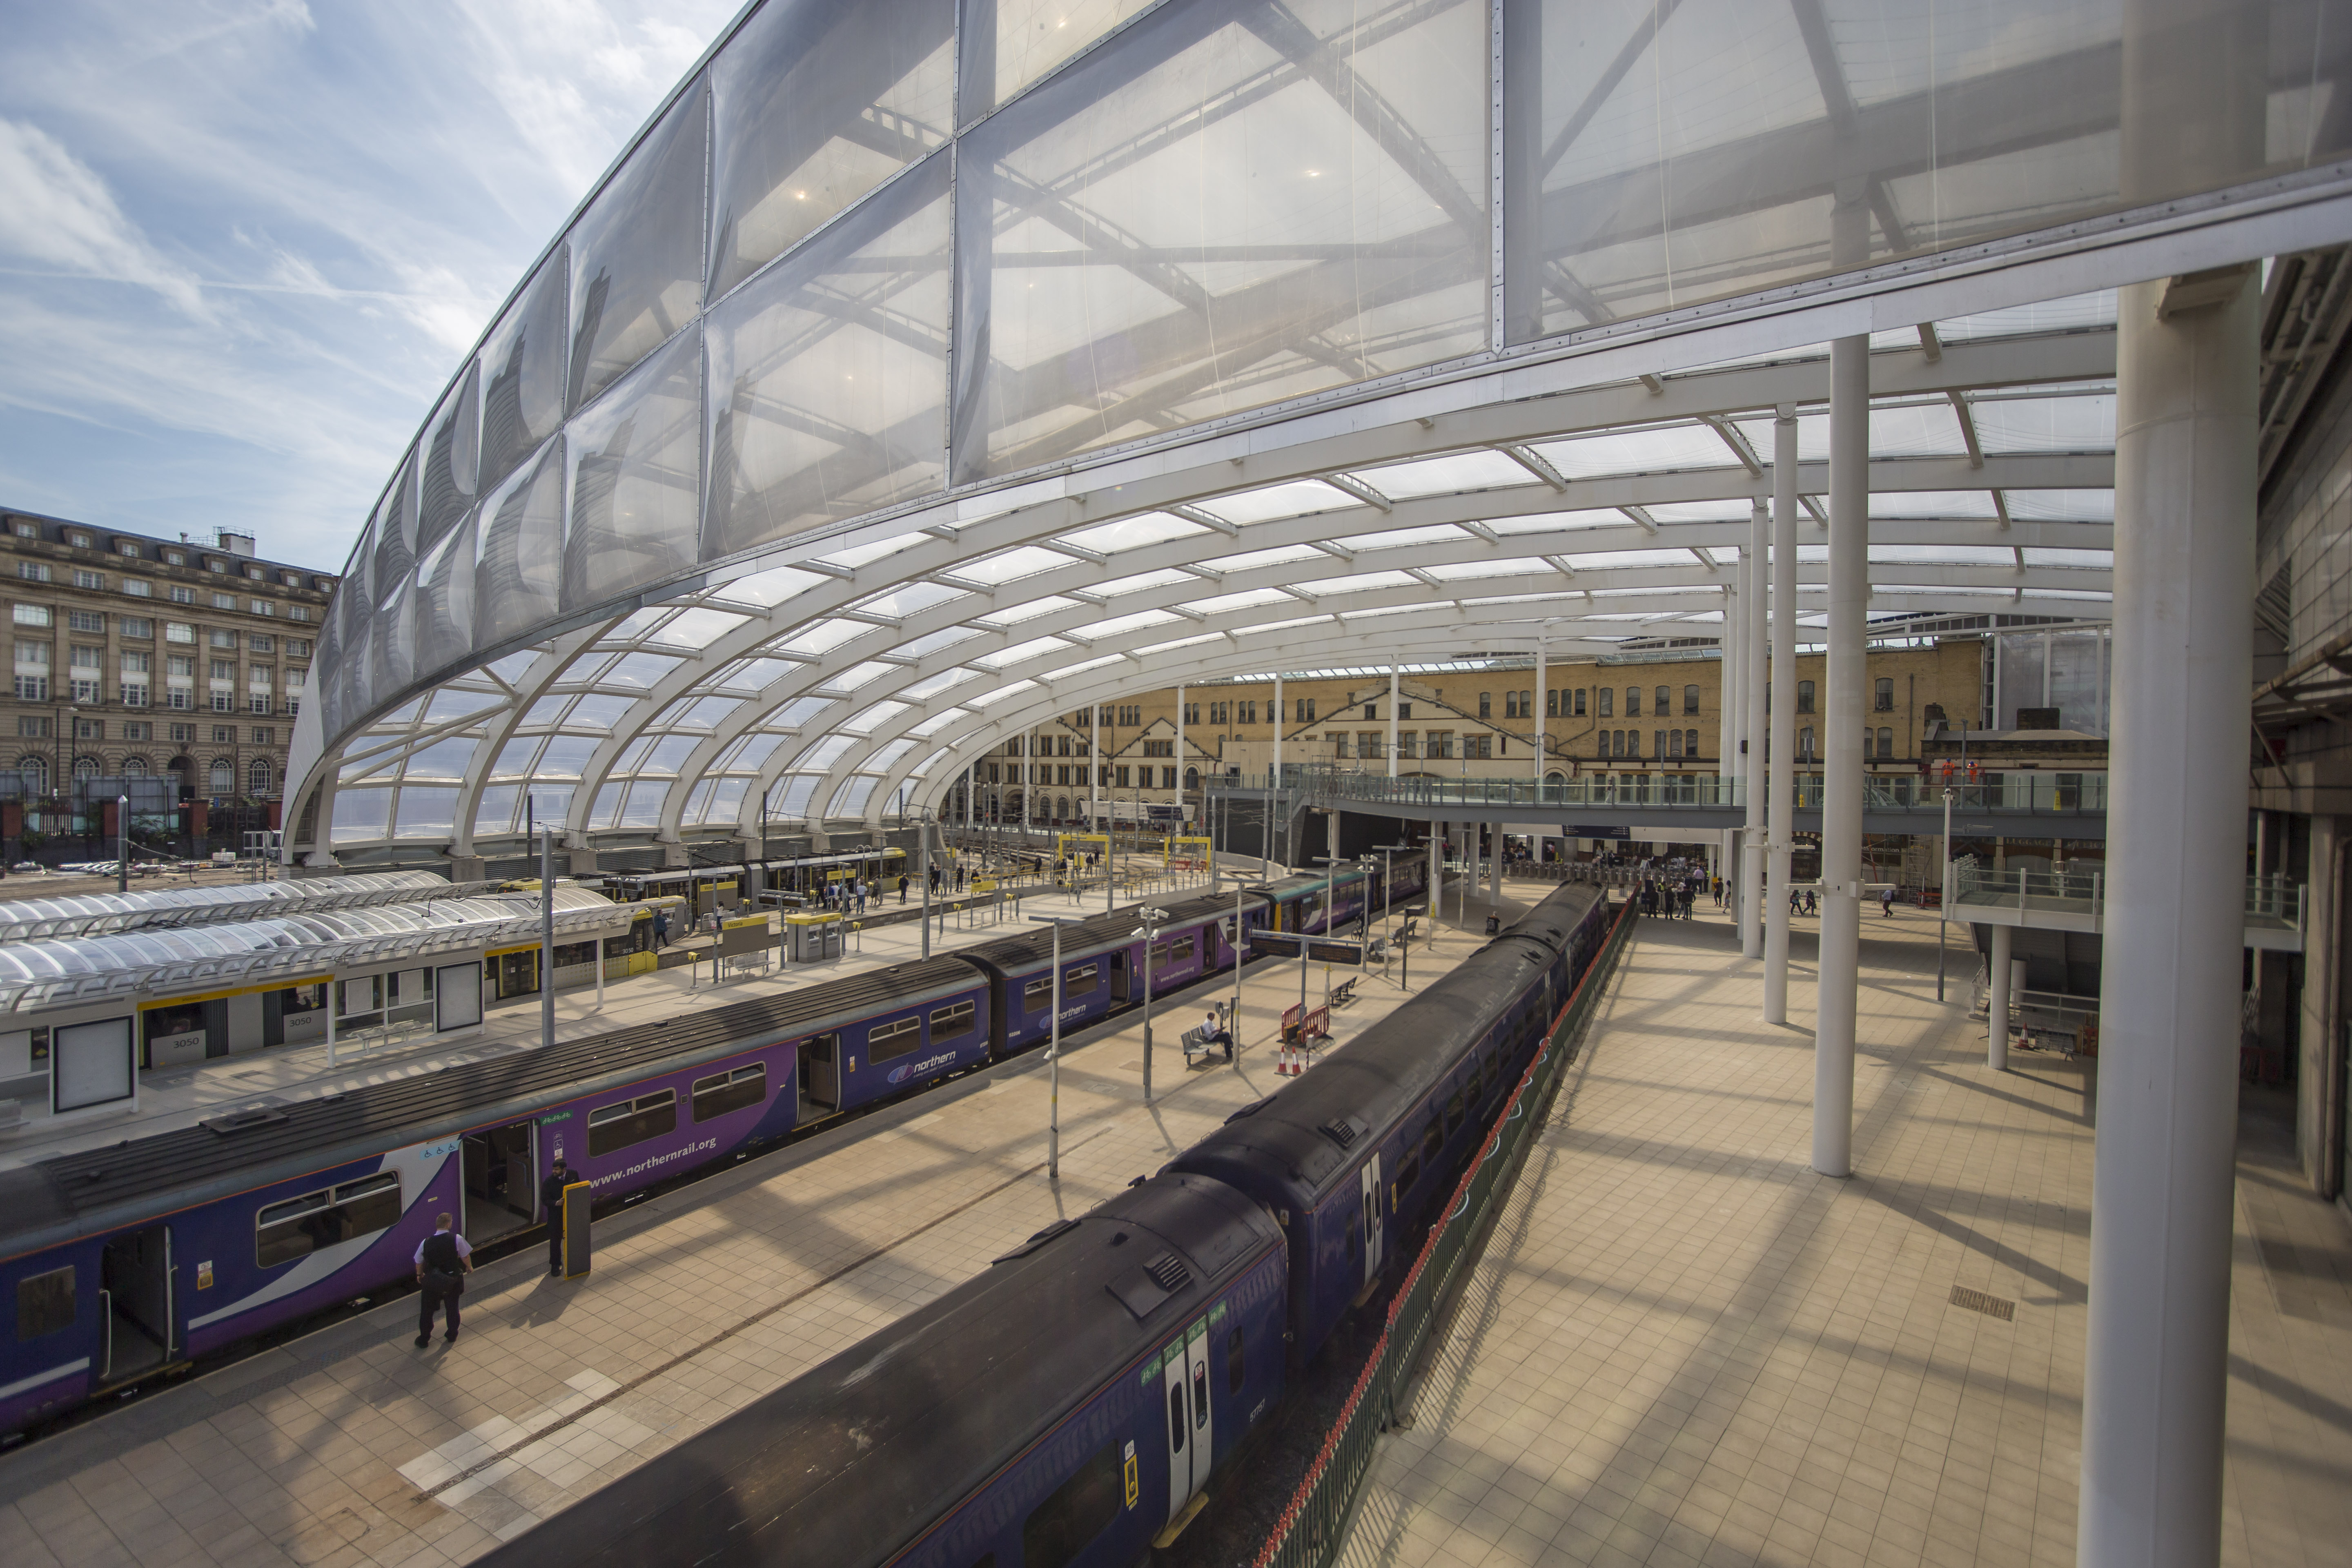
[2014, 793]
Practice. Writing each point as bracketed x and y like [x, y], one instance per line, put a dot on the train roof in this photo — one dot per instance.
[855, 1459]
[1033, 946]
[52, 1200]
[1309, 1133]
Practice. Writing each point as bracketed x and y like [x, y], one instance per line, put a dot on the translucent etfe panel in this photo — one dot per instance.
[637, 464]
[452, 458]
[1008, 44]
[395, 535]
[360, 814]
[1656, 156]
[523, 371]
[1234, 204]
[495, 813]
[394, 641]
[814, 104]
[427, 813]
[445, 600]
[828, 374]
[636, 255]
[521, 570]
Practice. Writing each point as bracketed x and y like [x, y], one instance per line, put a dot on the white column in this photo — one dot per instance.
[1997, 1000]
[1275, 776]
[1751, 728]
[1727, 723]
[1180, 761]
[1836, 996]
[1392, 721]
[2163, 1173]
[1780, 829]
[1541, 698]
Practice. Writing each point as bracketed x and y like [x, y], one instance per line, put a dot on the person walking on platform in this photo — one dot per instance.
[1886, 904]
[443, 1261]
[550, 1201]
[902, 887]
[661, 929]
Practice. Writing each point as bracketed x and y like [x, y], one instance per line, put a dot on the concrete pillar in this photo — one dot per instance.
[1541, 705]
[1779, 828]
[1094, 766]
[2156, 1338]
[1751, 728]
[1180, 826]
[1996, 999]
[1836, 996]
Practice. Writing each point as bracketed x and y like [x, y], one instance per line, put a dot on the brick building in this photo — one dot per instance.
[137, 658]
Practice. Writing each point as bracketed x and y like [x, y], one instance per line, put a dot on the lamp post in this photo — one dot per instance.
[547, 936]
[1054, 1055]
[122, 842]
[1150, 931]
[1944, 895]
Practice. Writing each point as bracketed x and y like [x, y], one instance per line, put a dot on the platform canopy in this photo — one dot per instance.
[860, 419]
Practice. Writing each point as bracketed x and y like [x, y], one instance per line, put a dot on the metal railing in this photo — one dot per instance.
[2275, 902]
[2022, 791]
[2060, 891]
[1308, 1532]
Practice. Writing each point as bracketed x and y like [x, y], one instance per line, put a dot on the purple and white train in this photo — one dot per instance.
[119, 1263]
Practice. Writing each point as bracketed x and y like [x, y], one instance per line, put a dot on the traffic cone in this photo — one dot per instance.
[1286, 1065]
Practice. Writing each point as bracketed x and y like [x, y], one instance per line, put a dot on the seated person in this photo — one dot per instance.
[1213, 1031]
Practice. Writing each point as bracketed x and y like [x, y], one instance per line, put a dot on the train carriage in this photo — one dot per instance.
[1102, 965]
[1060, 1410]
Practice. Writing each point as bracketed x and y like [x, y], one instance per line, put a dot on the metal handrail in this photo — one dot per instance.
[2012, 793]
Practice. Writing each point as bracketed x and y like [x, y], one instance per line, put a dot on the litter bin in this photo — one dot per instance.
[1494, 925]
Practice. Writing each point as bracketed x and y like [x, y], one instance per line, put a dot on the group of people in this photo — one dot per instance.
[1672, 898]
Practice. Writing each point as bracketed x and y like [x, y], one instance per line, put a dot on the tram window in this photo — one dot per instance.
[296, 1228]
[1038, 993]
[952, 1020]
[723, 1092]
[1236, 1373]
[1184, 948]
[1079, 979]
[615, 1127]
[900, 1037]
[1080, 1509]
[44, 1304]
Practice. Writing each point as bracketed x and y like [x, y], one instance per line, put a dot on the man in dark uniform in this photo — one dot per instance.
[443, 1261]
[550, 1202]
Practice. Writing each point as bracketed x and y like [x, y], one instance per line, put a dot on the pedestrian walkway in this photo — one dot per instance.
[350, 1447]
[1685, 1346]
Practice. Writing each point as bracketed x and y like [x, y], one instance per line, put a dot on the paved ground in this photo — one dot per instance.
[350, 1447]
[1683, 1346]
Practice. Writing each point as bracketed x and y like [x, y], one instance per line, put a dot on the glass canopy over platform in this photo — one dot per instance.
[922, 371]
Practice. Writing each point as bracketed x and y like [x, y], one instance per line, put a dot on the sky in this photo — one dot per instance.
[243, 244]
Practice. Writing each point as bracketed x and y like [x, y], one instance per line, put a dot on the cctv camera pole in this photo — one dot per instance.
[1053, 1057]
[1150, 932]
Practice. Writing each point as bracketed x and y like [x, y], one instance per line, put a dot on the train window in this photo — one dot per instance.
[1430, 1141]
[1079, 979]
[1159, 955]
[898, 1037]
[1038, 993]
[1081, 1508]
[615, 1127]
[725, 1091]
[1407, 1174]
[1175, 1417]
[1454, 1115]
[296, 1228]
[1236, 1373]
[44, 1304]
[1200, 1394]
[952, 1020]
[1184, 948]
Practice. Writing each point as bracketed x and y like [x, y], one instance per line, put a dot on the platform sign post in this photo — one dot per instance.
[576, 1199]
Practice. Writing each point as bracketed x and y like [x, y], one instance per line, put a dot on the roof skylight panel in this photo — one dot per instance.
[1731, 509]
[1931, 503]
[825, 753]
[1026, 610]
[748, 754]
[696, 629]
[1020, 653]
[1564, 521]
[853, 556]
[1062, 672]
[795, 714]
[441, 760]
[946, 636]
[746, 676]
[1249, 560]
[1357, 582]
[936, 722]
[887, 756]
[1140, 580]
[1133, 533]
[1600, 560]
[2063, 506]
[516, 757]
[598, 710]
[1003, 693]
[1813, 436]
[453, 702]
[1296, 498]
[925, 690]
[2046, 424]
[2100, 560]
[1448, 475]
[857, 675]
[1222, 603]
[766, 590]
[1469, 571]
[910, 599]
[867, 720]
[1398, 538]
[1010, 565]
[2073, 312]
[640, 671]
[1942, 554]
[1916, 431]
[565, 756]
[1665, 448]
[816, 638]
[1119, 626]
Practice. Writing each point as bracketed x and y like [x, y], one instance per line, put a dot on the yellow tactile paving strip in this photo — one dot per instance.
[1683, 1346]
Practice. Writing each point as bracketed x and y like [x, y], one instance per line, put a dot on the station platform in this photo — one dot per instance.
[1683, 1346]
[177, 1096]
[349, 1447]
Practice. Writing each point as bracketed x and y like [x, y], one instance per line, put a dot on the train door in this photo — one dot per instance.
[1190, 1446]
[1370, 1191]
[135, 1305]
[1119, 987]
[820, 1077]
[501, 1181]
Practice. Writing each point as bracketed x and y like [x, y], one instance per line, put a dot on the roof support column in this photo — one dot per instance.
[1392, 721]
[2163, 1173]
[1274, 793]
[1539, 699]
[1837, 994]
[1094, 770]
[1180, 759]
[1751, 728]
[1781, 795]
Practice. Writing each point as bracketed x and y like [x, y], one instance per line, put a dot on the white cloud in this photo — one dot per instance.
[62, 215]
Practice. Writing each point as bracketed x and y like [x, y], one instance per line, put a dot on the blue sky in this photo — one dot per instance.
[248, 241]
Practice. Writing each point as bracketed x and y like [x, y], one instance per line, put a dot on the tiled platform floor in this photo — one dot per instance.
[351, 1447]
[1683, 1346]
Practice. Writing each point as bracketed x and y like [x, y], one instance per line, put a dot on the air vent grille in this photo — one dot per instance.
[1168, 1272]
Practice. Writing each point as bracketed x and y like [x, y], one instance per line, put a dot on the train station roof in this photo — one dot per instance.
[90, 915]
[286, 948]
[840, 435]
